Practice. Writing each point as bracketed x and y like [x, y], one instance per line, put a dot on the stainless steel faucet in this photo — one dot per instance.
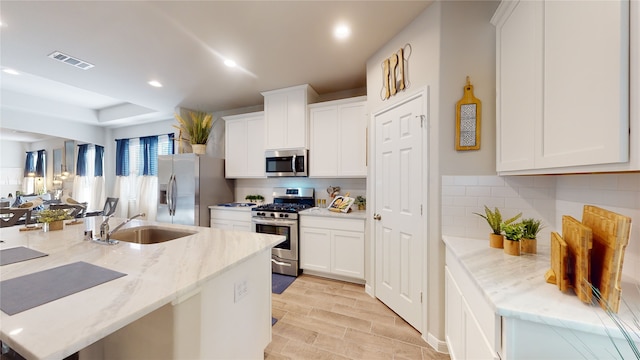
[105, 233]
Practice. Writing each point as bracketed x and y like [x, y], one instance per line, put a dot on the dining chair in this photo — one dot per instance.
[110, 206]
[11, 216]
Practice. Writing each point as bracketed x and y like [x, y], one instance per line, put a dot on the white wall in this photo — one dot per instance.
[11, 166]
[449, 40]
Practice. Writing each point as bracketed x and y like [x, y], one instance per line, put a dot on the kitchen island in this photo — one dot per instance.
[206, 295]
[500, 307]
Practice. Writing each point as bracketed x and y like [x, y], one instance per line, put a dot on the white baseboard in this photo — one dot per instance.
[439, 345]
[369, 290]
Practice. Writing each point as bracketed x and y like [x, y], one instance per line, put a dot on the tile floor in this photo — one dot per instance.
[320, 318]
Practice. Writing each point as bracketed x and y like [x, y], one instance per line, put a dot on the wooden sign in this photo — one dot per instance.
[393, 73]
[468, 120]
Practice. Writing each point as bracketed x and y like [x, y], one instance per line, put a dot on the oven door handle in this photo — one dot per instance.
[280, 263]
[274, 222]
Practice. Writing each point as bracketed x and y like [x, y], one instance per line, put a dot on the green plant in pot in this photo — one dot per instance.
[195, 129]
[361, 201]
[529, 239]
[53, 219]
[254, 198]
[513, 233]
[494, 219]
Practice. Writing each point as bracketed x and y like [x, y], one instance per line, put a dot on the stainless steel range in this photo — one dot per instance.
[281, 218]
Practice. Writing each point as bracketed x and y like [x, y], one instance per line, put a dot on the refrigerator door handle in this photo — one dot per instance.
[171, 196]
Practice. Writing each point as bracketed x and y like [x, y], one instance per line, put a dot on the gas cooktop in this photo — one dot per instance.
[282, 207]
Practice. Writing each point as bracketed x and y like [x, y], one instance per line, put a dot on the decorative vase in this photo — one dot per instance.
[512, 247]
[199, 149]
[496, 240]
[52, 226]
[529, 246]
[362, 207]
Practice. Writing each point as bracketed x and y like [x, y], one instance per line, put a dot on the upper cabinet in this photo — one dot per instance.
[244, 146]
[563, 87]
[286, 117]
[338, 145]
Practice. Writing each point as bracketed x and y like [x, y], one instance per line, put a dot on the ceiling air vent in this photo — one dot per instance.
[57, 55]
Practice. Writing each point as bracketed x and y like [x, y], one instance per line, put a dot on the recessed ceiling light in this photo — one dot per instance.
[342, 31]
[10, 71]
[155, 83]
[230, 63]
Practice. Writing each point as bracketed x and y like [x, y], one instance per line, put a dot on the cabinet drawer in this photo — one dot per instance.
[332, 223]
[231, 215]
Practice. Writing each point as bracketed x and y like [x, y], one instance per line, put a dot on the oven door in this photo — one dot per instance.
[287, 249]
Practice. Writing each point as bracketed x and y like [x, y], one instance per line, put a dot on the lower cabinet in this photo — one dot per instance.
[472, 328]
[230, 219]
[332, 246]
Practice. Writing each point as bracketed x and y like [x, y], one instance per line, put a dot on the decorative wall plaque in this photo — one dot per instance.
[468, 119]
[394, 76]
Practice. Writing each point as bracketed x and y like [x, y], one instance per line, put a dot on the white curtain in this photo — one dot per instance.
[98, 196]
[147, 198]
[121, 191]
[89, 189]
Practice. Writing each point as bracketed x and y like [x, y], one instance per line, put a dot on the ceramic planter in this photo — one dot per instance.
[529, 246]
[199, 149]
[496, 241]
[512, 247]
[52, 226]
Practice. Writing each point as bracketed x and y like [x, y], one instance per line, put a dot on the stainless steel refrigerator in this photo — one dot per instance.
[188, 184]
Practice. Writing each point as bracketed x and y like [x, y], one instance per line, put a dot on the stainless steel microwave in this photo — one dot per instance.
[291, 162]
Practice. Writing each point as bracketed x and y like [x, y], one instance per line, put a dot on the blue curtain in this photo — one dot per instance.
[81, 169]
[41, 163]
[29, 164]
[148, 156]
[122, 157]
[99, 160]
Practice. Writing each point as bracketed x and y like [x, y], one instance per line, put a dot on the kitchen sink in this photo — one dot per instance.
[149, 234]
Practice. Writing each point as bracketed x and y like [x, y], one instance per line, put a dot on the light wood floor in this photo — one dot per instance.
[320, 318]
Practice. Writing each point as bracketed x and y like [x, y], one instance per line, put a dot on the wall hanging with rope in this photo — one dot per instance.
[394, 72]
[468, 120]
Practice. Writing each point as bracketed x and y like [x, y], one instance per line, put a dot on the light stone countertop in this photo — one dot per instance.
[316, 211]
[157, 274]
[515, 286]
[232, 208]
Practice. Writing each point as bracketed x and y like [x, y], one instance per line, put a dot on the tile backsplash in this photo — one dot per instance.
[543, 197]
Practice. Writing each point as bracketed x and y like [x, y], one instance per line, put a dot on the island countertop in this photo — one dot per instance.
[515, 286]
[156, 275]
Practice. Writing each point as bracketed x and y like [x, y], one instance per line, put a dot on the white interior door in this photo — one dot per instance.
[399, 221]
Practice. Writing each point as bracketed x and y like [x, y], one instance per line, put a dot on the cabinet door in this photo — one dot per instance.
[519, 85]
[315, 249]
[324, 142]
[586, 84]
[347, 253]
[236, 148]
[453, 319]
[275, 108]
[255, 147]
[352, 128]
[297, 135]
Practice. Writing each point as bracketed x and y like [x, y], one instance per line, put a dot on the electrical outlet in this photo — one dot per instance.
[241, 290]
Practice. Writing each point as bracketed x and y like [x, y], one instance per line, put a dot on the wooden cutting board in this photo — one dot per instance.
[579, 243]
[559, 257]
[610, 239]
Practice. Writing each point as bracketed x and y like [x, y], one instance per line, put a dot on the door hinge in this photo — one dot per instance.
[420, 297]
[420, 209]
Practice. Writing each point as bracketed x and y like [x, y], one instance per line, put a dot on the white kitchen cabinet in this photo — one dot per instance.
[244, 146]
[333, 247]
[230, 218]
[286, 117]
[338, 138]
[471, 326]
[563, 87]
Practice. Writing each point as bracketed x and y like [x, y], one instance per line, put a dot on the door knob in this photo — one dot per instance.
[377, 217]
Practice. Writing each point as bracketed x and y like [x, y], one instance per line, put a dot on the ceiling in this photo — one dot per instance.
[183, 44]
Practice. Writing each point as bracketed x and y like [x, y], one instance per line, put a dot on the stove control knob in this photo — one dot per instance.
[273, 215]
[286, 215]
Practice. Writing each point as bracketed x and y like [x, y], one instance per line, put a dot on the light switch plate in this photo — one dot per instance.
[241, 290]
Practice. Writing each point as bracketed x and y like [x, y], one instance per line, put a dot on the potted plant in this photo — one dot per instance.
[529, 238]
[361, 201]
[53, 219]
[258, 199]
[494, 219]
[197, 129]
[513, 232]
